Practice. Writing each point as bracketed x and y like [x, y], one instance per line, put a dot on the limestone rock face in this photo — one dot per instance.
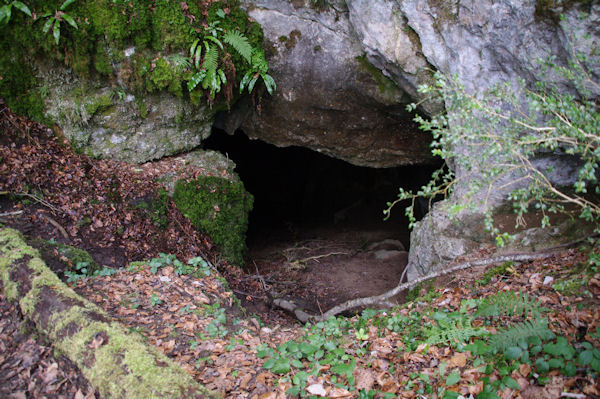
[113, 123]
[329, 97]
[486, 42]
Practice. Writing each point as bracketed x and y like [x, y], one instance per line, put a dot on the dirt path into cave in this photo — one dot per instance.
[322, 266]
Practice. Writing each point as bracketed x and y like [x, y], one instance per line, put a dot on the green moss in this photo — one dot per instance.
[220, 208]
[122, 360]
[102, 61]
[98, 104]
[106, 28]
[385, 84]
[495, 272]
[141, 106]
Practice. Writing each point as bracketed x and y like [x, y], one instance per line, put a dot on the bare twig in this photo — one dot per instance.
[35, 198]
[11, 213]
[573, 395]
[58, 226]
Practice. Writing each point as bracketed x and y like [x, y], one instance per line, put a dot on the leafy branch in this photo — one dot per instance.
[496, 139]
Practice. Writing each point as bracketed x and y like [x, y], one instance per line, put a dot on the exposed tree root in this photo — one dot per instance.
[384, 299]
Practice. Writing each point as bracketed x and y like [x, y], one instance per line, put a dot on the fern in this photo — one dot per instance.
[211, 56]
[453, 327]
[457, 334]
[520, 331]
[508, 303]
[240, 43]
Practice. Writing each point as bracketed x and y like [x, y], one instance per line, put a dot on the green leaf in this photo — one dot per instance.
[48, 24]
[269, 82]
[569, 370]
[56, 31]
[555, 363]
[281, 366]
[215, 40]
[542, 365]
[269, 363]
[66, 4]
[452, 379]
[511, 383]
[196, 79]
[513, 353]
[4, 14]
[22, 7]
[70, 20]
[297, 363]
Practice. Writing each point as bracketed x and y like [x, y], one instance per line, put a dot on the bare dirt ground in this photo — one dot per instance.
[327, 265]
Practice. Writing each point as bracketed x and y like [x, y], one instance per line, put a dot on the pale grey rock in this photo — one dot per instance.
[328, 98]
[111, 122]
[483, 43]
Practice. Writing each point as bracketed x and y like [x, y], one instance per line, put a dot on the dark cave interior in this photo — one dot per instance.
[295, 187]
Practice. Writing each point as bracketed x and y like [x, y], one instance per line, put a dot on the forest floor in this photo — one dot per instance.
[434, 345]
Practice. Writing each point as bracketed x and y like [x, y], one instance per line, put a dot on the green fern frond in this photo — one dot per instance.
[240, 43]
[454, 335]
[521, 331]
[509, 303]
[211, 56]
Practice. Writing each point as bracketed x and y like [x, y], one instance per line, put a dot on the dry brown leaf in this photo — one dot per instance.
[524, 369]
[458, 360]
[50, 373]
[336, 392]
[364, 379]
[316, 389]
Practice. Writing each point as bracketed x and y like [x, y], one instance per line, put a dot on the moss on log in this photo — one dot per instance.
[117, 363]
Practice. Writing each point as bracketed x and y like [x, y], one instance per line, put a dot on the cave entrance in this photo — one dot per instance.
[317, 226]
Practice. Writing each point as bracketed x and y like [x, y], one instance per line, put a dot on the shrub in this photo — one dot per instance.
[496, 140]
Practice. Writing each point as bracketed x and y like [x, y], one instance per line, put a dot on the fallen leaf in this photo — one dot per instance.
[316, 389]
[364, 379]
[458, 360]
[50, 373]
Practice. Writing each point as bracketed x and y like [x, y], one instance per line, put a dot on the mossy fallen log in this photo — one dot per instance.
[117, 363]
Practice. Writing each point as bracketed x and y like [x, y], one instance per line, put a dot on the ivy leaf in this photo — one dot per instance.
[511, 383]
[586, 357]
[513, 353]
[281, 366]
[452, 379]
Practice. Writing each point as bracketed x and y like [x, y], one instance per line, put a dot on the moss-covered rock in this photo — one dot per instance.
[220, 207]
[135, 48]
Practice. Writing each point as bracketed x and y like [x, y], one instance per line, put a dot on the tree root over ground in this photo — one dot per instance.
[384, 299]
[117, 363]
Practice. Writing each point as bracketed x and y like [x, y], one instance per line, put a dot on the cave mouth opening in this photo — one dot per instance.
[316, 233]
[297, 191]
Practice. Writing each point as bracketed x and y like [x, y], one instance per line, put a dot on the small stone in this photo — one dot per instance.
[548, 280]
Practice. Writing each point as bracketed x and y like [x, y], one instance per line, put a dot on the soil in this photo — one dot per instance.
[328, 265]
